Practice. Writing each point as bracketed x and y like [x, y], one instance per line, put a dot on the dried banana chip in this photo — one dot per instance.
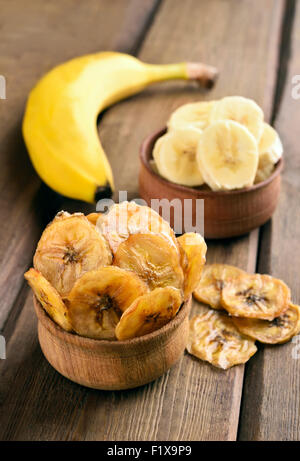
[256, 296]
[214, 278]
[99, 298]
[195, 248]
[153, 258]
[149, 313]
[49, 298]
[130, 218]
[214, 338]
[96, 219]
[70, 246]
[277, 331]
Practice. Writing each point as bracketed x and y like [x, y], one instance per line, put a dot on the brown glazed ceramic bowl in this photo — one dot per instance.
[113, 365]
[226, 213]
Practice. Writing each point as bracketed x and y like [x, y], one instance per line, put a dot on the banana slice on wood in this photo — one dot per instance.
[214, 278]
[195, 248]
[277, 331]
[153, 258]
[99, 298]
[256, 296]
[49, 298]
[149, 312]
[242, 110]
[214, 338]
[196, 114]
[70, 246]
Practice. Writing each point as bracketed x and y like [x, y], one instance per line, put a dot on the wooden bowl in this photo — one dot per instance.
[113, 365]
[226, 213]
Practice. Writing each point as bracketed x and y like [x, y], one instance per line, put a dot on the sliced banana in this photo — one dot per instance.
[214, 278]
[49, 298]
[227, 156]
[196, 114]
[128, 218]
[195, 248]
[270, 151]
[175, 156]
[277, 331]
[149, 312]
[70, 246]
[153, 258]
[256, 296]
[214, 338]
[242, 110]
[99, 298]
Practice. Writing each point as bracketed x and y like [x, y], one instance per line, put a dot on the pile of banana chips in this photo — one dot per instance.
[115, 276]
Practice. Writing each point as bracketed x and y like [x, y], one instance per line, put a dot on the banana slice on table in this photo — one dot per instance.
[149, 313]
[70, 246]
[128, 218]
[214, 278]
[196, 114]
[277, 331]
[195, 248]
[153, 258]
[49, 298]
[99, 298]
[242, 110]
[175, 156]
[227, 156]
[214, 338]
[256, 296]
[270, 151]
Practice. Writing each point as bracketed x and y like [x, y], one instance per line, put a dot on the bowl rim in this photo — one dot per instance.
[146, 150]
[83, 341]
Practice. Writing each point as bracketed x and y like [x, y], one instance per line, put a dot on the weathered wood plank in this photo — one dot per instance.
[193, 401]
[35, 36]
[271, 402]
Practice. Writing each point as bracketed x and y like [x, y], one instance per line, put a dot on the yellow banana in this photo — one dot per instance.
[59, 125]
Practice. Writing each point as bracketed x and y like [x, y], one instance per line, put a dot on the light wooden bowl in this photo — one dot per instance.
[113, 365]
[226, 213]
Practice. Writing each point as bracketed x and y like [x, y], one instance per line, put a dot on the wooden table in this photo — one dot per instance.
[255, 44]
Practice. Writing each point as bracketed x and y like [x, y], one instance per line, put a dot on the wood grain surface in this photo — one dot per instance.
[193, 401]
[271, 402]
[35, 36]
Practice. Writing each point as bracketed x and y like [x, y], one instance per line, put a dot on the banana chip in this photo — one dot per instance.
[214, 278]
[195, 248]
[277, 331]
[99, 298]
[96, 219]
[129, 218]
[70, 246]
[149, 313]
[215, 339]
[256, 296]
[153, 258]
[49, 298]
